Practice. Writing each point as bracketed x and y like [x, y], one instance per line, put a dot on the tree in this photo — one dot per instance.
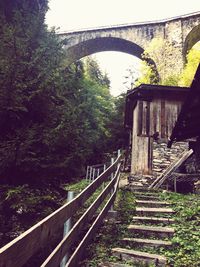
[53, 119]
[160, 51]
[119, 135]
[94, 72]
[193, 60]
[29, 64]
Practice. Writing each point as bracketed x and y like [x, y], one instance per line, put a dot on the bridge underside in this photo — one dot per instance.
[91, 46]
[102, 44]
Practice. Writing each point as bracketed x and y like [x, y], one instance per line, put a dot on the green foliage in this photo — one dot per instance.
[110, 233]
[77, 187]
[185, 250]
[22, 206]
[53, 119]
[193, 60]
[29, 65]
[148, 75]
[186, 246]
[119, 135]
[93, 72]
[159, 50]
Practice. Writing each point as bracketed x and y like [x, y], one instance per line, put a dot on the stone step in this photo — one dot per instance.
[136, 184]
[143, 179]
[139, 189]
[152, 203]
[153, 220]
[139, 257]
[145, 193]
[145, 197]
[152, 230]
[155, 211]
[113, 264]
[145, 242]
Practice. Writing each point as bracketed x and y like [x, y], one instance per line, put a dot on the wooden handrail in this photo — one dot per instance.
[76, 256]
[17, 252]
[56, 256]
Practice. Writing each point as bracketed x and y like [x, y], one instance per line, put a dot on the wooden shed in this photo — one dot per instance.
[150, 114]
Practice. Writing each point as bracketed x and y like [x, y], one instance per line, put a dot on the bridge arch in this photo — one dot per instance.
[191, 39]
[101, 44]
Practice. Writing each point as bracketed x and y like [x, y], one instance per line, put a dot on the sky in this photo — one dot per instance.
[67, 15]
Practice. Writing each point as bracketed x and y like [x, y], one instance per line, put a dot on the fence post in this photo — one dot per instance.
[112, 176]
[90, 178]
[104, 167]
[118, 152]
[87, 173]
[175, 186]
[93, 175]
[67, 227]
[98, 171]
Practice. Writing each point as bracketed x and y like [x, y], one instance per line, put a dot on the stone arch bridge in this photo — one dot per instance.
[182, 32]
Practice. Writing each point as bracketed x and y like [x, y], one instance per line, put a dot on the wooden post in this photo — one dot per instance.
[167, 186]
[112, 176]
[98, 171]
[93, 174]
[118, 154]
[104, 168]
[67, 227]
[90, 177]
[175, 187]
[87, 173]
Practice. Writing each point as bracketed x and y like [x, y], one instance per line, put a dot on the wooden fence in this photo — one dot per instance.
[94, 171]
[20, 250]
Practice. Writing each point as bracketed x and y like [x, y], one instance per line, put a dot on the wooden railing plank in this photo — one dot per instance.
[17, 252]
[56, 256]
[77, 255]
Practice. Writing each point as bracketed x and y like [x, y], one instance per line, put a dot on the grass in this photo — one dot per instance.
[111, 232]
[185, 250]
[76, 187]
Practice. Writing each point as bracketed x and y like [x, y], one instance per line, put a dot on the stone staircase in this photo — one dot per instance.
[150, 229]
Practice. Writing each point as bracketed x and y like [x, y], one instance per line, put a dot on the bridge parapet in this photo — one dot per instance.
[181, 31]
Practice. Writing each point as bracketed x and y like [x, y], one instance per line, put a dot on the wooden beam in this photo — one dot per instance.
[163, 177]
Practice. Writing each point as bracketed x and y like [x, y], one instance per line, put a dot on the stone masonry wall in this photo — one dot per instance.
[163, 156]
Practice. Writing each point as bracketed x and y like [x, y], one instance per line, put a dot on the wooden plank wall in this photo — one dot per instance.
[159, 116]
[163, 115]
[141, 159]
[143, 118]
